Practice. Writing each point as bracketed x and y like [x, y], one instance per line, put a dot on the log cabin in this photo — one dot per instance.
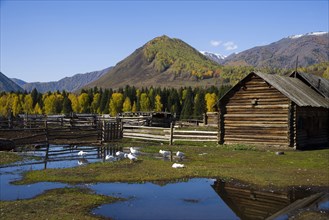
[273, 110]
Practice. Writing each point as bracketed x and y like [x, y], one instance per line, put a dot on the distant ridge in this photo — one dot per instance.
[69, 84]
[7, 85]
[311, 48]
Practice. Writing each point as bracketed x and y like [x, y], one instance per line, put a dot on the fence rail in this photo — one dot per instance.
[168, 134]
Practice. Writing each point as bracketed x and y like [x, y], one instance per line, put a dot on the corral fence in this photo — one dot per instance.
[60, 129]
[92, 129]
[170, 135]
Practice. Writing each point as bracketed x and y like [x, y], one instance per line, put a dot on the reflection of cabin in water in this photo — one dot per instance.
[276, 110]
[255, 204]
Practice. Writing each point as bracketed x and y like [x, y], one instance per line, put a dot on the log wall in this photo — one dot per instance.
[312, 127]
[255, 113]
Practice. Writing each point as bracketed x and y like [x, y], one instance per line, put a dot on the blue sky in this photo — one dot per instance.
[48, 40]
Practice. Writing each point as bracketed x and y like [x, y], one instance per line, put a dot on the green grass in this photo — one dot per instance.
[9, 157]
[66, 203]
[243, 163]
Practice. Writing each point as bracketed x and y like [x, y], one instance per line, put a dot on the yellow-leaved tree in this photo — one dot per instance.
[211, 99]
[28, 104]
[126, 105]
[116, 103]
[83, 100]
[158, 105]
[74, 102]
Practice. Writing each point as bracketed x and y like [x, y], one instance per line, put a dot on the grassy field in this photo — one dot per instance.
[9, 157]
[66, 203]
[257, 166]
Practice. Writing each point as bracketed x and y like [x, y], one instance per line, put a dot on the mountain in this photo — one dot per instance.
[218, 58]
[68, 83]
[162, 61]
[311, 48]
[19, 82]
[8, 85]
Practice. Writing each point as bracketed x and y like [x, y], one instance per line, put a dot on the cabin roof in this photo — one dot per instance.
[321, 85]
[293, 88]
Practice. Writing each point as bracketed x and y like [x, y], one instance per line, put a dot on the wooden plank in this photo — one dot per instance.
[282, 106]
[145, 138]
[194, 132]
[195, 136]
[255, 136]
[264, 115]
[298, 204]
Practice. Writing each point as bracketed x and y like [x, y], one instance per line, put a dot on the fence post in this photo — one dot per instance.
[103, 131]
[121, 129]
[25, 120]
[171, 133]
[205, 118]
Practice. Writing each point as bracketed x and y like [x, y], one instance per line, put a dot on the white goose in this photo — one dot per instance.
[164, 153]
[132, 157]
[180, 154]
[82, 153]
[110, 158]
[178, 165]
[120, 154]
[134, 151]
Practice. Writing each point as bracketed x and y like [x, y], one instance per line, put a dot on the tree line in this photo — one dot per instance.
[186, 102]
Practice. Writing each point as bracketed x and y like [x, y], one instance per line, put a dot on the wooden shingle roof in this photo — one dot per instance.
[294, 89]
[321, 85]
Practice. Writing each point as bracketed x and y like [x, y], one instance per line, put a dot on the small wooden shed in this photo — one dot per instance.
[265, 109]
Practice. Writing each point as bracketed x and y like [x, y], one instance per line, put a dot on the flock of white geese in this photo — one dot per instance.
[134, 152]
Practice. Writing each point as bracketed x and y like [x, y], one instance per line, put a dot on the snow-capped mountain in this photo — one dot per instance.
[307, 34]
[311, 48]
[218, 58]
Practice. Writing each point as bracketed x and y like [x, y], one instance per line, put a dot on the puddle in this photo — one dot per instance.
[60, 157]
[194, 199]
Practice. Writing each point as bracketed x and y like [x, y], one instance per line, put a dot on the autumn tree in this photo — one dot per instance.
[53, 103]
[28, 104]
[211, 100]
[145, 104]
[127, 105]
[16, 104]
[95, 104]
[157, 104]
[5, 103]
[74, 102]
[116, 103]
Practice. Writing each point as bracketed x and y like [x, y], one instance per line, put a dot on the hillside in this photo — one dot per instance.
[162, 61]
[8, 85]
[310, 48]
[69, 84]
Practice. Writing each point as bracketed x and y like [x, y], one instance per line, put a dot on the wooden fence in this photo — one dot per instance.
[89, 129]
[169, 135]
[60, 129]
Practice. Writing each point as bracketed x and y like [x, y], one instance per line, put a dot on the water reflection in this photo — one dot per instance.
[257, 204]
[193, 199]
